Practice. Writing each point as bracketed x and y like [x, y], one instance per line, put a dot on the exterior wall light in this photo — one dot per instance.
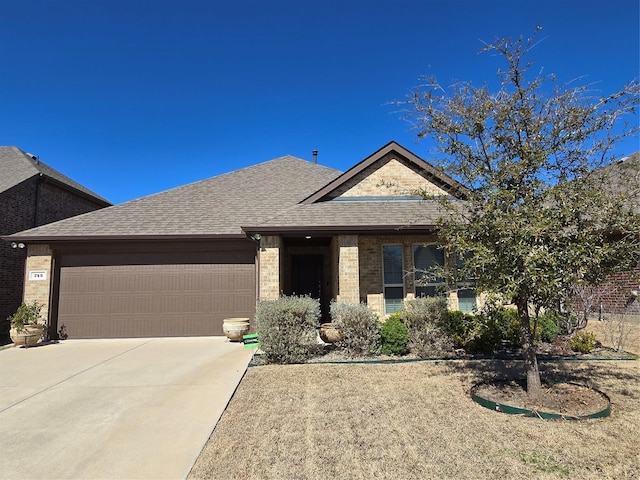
[17, 245]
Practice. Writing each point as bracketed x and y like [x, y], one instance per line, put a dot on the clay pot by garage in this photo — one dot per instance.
[329, 333]
[27, 336]
[235, 328]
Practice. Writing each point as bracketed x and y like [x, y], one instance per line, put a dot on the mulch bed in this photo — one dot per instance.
[546, 352]
[562, 398]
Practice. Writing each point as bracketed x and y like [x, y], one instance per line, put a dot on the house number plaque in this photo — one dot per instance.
[37, 275]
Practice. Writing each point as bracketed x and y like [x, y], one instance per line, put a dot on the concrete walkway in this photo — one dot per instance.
[116, 409]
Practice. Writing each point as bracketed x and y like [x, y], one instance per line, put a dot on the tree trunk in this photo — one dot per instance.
[529, 351]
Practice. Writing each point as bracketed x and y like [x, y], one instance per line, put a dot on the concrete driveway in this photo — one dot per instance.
[117, 409]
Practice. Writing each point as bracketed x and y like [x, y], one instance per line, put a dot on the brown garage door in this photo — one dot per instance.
[154, 295]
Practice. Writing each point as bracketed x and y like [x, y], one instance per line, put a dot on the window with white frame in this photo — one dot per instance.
[392, 278]
[426, 260]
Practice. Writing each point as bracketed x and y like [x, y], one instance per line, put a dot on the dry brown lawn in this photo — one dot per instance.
[630, 328]
[417, 421]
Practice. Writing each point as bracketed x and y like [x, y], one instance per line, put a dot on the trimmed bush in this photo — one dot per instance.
[360, 328]
[394, 336]
[582, 342]
[426, 320]
[287, 328]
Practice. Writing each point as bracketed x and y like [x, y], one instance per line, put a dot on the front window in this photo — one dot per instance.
[392, 277]
[466, 293]
[427, 259]
[466, 300]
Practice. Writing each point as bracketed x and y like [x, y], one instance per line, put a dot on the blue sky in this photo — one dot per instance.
[133, 97]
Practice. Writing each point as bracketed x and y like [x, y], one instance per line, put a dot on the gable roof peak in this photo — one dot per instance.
[431, 174]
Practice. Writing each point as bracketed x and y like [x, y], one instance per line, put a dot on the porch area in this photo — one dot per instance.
[379, 270]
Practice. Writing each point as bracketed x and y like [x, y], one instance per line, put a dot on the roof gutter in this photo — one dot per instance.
[338, 230]
[17, 237]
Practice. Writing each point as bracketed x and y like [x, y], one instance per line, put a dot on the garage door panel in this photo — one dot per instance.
[111, 301]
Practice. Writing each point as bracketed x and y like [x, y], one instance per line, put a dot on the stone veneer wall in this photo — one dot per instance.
[39, 257]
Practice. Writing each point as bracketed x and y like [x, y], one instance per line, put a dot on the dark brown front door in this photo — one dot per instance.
[307, 278]
[306, 275]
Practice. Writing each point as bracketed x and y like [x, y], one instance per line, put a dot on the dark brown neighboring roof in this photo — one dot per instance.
[435, 176]
[17, 166]
[215, 207]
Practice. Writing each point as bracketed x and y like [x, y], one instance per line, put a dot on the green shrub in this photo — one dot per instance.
[496, 328]
[493, 330]
[287, 328]
[26, 314]
[394, 336]
[426, 321]
[582, 342]
[548, 328]
[455, 326]
[360, 328]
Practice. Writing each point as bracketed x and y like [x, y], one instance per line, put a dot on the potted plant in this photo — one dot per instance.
[27, 325]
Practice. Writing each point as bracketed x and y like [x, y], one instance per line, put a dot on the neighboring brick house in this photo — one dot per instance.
[31, 194]
[616, 295]
[177, 263]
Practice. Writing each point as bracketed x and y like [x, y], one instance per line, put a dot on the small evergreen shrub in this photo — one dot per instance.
[394, 336]
[582, 342]
[360, 328]
[287, 328]
[496, 328]
[426, 320]
[548, 328]
[493, 330]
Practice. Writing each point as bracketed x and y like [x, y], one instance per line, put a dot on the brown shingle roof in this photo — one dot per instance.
[214, 207]
[17, 166]
[376, 215]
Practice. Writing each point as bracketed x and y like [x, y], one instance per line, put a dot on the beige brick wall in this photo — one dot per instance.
[348, 268]
[39, 258]
[270, 259]
[370, 260]
[388, 177]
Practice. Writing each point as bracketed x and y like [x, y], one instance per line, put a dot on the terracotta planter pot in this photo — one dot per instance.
[329, 333]
[235, 328]
[27, 336]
